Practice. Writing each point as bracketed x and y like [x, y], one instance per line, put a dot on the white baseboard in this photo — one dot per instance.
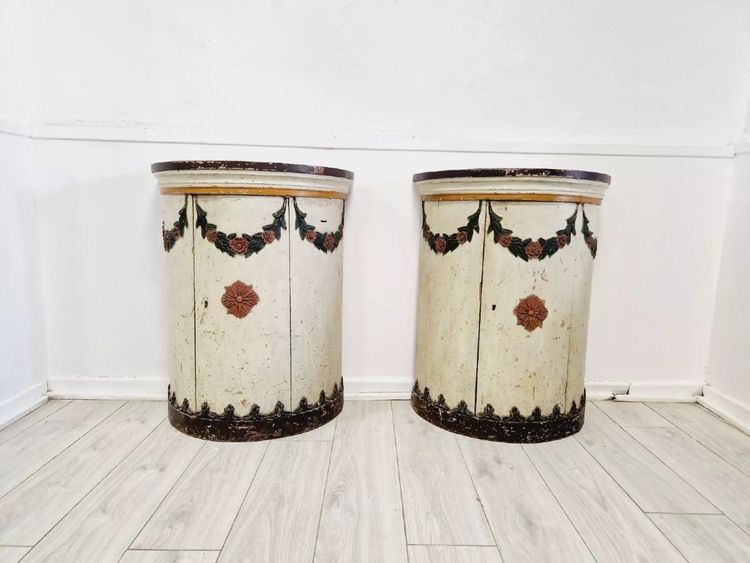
[22, 403]
[380, 388]
[603, 390]
[137, 388]
[731, 410]
[662, 391]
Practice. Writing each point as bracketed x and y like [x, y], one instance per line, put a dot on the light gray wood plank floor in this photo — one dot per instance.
[101, 481]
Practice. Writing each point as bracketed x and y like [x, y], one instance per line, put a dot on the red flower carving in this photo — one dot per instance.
[562, 240]
[329, 242]
[175, 233]
[212, 235]
[239, 245]
[426, 233]
[533, 250]
[461, 237]
[504, 240]
[268, 237]
[530, 312]
[440, 244]
[311, 235]
[239, 299]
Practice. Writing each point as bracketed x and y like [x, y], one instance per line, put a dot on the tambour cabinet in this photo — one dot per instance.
[254, 273]
[505, 276]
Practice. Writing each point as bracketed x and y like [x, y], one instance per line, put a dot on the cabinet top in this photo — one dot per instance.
[513, 184]
[218, 165]
[514, 173]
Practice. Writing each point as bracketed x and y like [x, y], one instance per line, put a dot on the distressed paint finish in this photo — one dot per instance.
[448, 305]
[241, 361]
[501, 337]
[254, 308]
[531, 367]
[180, 303]
[316, 291]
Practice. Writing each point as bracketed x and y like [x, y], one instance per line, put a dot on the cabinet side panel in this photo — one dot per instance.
[519, 367]
[180, 302]
[580, 317]
[242, 360]
[448, 305]
[316, 284]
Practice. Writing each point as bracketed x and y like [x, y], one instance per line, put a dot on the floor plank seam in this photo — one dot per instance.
[476, 493]
[733, 520]
[400, 487]
[187, 466]
[244, 499]
[557, 500]
[658, 459]
[53, 458]
[323, 497]
[35, 424]
[744, 470]
[84, 497]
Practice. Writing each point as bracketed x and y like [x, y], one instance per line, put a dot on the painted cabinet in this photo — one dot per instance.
[504, 285]
[254, 274]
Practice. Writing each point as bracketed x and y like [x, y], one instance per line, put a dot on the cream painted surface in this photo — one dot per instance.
[242, 361]
[316, 285]
[512, 185]
[448, 306]
[523, 369]
[181, 300]
[257, 178]
[470, 347]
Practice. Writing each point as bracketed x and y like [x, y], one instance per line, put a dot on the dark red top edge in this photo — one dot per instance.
[513, 173]
[246, 165]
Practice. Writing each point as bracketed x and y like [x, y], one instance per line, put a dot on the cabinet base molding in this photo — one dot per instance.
[228, 427]
[514, 427]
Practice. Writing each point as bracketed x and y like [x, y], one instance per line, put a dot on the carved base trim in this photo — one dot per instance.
[253, 427]
[514, 428]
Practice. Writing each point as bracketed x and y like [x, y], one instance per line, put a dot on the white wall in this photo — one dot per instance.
[397, 87]
[728, 375]
[417, 73]
[22, 345]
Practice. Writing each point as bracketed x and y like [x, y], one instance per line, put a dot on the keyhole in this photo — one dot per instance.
[493, 306]
[205, 303]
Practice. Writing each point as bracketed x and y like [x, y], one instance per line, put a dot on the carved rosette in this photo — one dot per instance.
[239, 299]
[228, 426]
[488, 425]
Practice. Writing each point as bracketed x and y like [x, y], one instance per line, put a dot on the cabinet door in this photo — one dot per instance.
[178, 228]
[316, 289]
[242, 348]
[531, 341]
[449, 289]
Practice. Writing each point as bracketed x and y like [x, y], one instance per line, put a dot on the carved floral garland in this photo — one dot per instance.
[530, 249]
[323, 241]
[236, 244]
[442, 243]
[588, 236]
[171, 236]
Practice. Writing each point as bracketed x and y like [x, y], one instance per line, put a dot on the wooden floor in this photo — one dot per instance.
[101, 481]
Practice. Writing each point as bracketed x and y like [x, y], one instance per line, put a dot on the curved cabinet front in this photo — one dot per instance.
[503, 307]
[254, 286]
